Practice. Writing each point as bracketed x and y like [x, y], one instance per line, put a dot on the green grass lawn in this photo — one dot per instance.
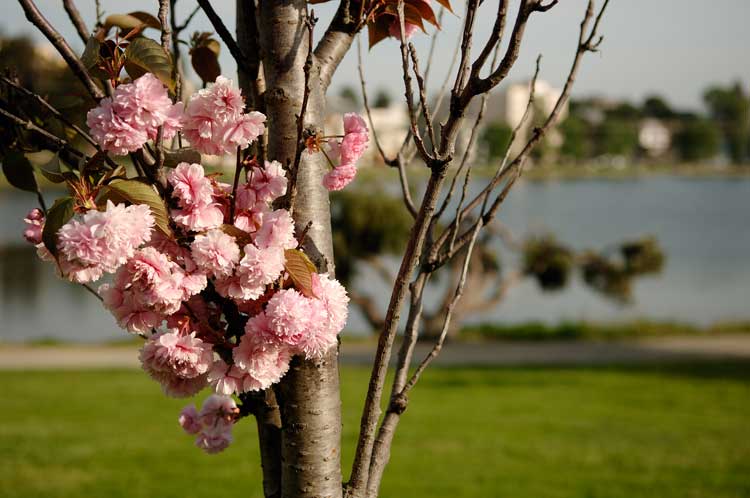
[681, 431]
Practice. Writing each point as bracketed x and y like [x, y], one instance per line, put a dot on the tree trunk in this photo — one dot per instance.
[309, 393]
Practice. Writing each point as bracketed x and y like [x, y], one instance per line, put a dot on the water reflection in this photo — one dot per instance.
[703, 226]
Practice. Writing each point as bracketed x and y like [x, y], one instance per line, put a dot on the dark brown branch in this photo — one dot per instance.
[225, 35]
[408, 92]
[41, 101]
[423, 97]
[37, 19]
[371, 411]
[77, 20]
[494, 40]
[53, 141]
[585, 44]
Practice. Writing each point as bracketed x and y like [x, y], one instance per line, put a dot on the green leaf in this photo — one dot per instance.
[91, 58]
[241, 237]
[300, 269]
[173, 157]
[51, 171]
[19, 172]
[206, 63]
[58, 215]
[146, 18]
[137, 192]
[144, 55]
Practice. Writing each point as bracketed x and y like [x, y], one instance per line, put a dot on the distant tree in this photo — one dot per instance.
[373, 226]
[624, 111]
[576, 144]
[730, 107]
[494, 139]
[616, 137]
[697, 139]
[350, 94]
[655, 106]
[382, 98]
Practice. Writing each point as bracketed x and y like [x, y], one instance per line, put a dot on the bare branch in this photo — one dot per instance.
[53, 141]
[77, 20]
[365, 101]
[166, 33]
[225, 35]
[408, 93]
[423, 97]
[37, 19]
[446, 321]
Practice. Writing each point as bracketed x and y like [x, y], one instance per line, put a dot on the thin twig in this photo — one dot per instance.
[57, 141]
[408, 92]
[77, 20]
[92, 291]
[225, 35]
[310, 21]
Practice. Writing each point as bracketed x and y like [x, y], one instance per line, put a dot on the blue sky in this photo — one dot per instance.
[672, 47]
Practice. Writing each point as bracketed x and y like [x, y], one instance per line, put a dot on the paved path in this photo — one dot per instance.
[727, 347]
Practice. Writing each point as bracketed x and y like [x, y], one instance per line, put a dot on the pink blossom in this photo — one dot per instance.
[195, 194]
[199, 217]
[145, 105]
[333, 302]
[214, 440]
[339, 177]
[215, 123]
[111, 132]
[269, 182]
[34, 226]
[291, 316]
[264, 361]
[190, 185]
[257, 269]
[242, 131]
[176, 353]
[216, 253]
[133, 115]
[277, 230]
[177, 387]
[147, 289]
[189, 420]
[218, 410]
[394, 29]
[101, 241]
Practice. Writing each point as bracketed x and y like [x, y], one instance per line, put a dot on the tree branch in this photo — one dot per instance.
[225, 35]
[77, 20]
[37, 19]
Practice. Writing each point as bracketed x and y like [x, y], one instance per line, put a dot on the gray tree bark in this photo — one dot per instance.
[309, 393]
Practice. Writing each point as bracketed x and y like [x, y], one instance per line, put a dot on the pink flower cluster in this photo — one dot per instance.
[133, 115]
[213, 424]
[347, 152]
[194, 193]
[214, 296]
[178, 360]
[215, 121]
[34, 226]
[149, 288]
[101, 241]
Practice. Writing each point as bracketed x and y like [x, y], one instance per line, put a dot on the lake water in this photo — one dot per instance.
[702, 224]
